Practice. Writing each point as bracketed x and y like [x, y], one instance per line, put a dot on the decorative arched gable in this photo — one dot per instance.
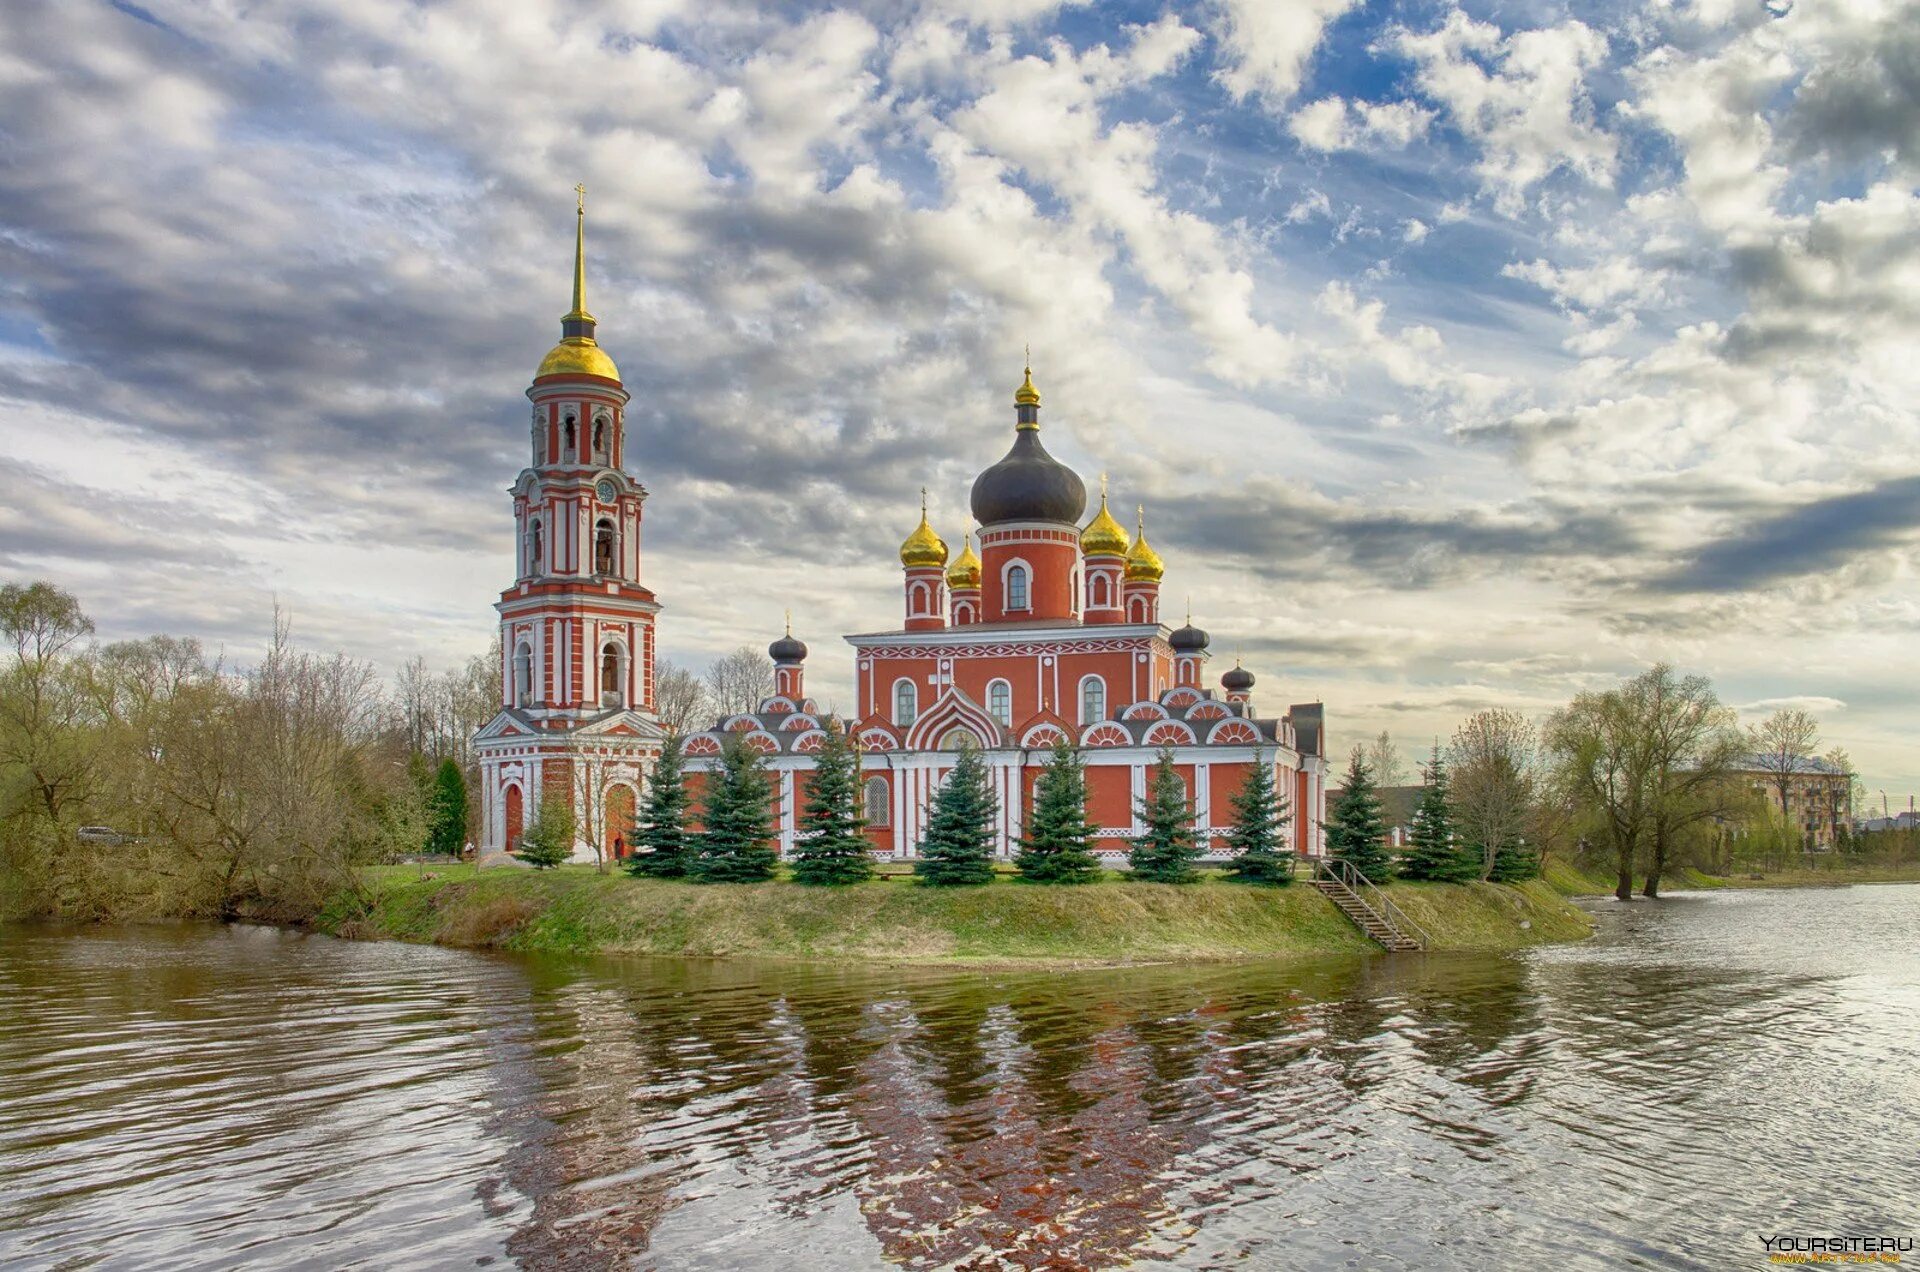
[1041, 736]
[878, 739]
[765, 743]
[1181, 697]
[1209, 711]
[741, 724]
[952, 710]
[702, 744]
[1144, 711]
[808, 743]
[1106, 733]
[1169, 733]
[801, 720]
[1233, 732]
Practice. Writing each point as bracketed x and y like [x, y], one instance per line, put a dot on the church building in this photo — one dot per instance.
[1051, 630]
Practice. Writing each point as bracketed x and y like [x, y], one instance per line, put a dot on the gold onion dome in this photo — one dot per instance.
[923, 547]
[578, 353]
[1026, 394]
[1103, 536]
[965, 570]
[1143, 563]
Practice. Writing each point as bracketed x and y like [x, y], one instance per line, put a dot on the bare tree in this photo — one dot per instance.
[1693, 747]
[1601, 768]
[1781, 745]
[1495, 761]
[738, 682]
[1383, 757]
[679, 698]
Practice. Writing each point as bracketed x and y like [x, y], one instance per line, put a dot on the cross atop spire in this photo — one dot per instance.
[579, 311]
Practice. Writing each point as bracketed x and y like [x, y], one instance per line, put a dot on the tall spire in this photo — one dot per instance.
[579, 310]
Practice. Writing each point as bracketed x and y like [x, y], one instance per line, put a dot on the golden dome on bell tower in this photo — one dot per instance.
[1103, 536]
[1143, 563]
[578, 353]
[965, 570]
[923, 548]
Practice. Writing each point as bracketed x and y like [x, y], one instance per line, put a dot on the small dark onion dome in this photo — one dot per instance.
[787, 649]
[1028, 485]
[1188, 639]
[1239, 680]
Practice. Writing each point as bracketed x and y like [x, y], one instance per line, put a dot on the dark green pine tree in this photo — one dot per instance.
[1356, 833]
[737, 844]
[831, 847]
[1167, 849]
[1058, 847]
[549, 841]
[1257, 839]
[957, 847]
[1514, 862]
[1434, 853]
[662, 848]
[447, 811]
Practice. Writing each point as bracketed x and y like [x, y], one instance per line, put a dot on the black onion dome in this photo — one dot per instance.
[1188, 637]
[1028, 485]
[787, 649]
[1237, 679]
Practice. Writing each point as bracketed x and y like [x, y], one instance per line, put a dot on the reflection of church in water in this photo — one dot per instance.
[1052, 629]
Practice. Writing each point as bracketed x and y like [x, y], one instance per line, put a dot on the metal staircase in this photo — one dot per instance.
[1360, 900]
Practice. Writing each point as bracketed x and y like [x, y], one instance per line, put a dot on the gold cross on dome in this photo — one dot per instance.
[581, 191]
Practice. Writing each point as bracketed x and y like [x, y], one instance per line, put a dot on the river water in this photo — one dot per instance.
[1710, 1069]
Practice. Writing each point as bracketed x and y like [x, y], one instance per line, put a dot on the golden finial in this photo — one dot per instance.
[923, 503]
[580, 253]
[1189, 609]
[1026, 394]
[789, 622]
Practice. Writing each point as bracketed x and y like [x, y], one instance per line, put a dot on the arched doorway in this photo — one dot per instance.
[516, 817]
[619, 831]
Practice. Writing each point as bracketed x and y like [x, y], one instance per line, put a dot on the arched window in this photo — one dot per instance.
[522, 675]
[1017, 587]
[1073, 590]
[603, 547]
[879, 803]
[906, 702]
[600, 432]
[539, 437]
[569, 440]
[1138, 610]
[610, 677]
[536, 558]
[1000, 702]
[1099, 590]
[917, 598]
[1093, 699]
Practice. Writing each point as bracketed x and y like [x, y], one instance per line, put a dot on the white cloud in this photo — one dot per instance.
[1521, 98]
[1334, 123]
[1268, 44]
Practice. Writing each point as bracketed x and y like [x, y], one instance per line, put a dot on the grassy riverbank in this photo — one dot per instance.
[1838, 872]
[574, 909]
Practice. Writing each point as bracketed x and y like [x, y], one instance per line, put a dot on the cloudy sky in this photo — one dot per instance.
[1462, 354]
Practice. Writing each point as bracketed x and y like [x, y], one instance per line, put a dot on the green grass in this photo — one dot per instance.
[1569, 880]
[575, 909]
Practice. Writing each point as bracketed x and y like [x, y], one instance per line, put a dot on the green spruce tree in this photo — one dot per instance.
[1166, 849]
[957, 847]
[1058, 847]
[1434, 852]
[1257, 841]
[662, 847]
[736, 845]
[447, 811]
[549, 841]
[1357, 833]
[1514, 862]
[832, 847]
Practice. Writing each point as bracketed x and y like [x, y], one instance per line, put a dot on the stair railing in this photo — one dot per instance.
[1348, 876]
